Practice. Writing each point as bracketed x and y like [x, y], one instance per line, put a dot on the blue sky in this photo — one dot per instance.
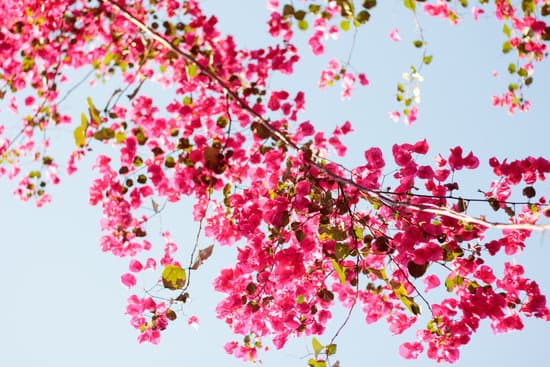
[63, 303]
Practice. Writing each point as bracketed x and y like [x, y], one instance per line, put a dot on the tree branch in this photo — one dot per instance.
[369, 193]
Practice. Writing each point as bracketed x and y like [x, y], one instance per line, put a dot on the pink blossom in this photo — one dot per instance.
[432, 281]
[363, 79]
[128, 279]
[29, 100]
[272, 5]
[411, 117]
[476, 12]
[394, 116]
[150, 263]
[193, 321]
[374, 158]
[13, 105]
[411, 350]
[135, 266]
[394, 35]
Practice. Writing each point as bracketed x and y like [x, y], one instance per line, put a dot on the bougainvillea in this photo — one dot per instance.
[311, 233]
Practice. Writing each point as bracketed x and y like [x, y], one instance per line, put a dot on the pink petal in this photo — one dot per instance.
[394, 35]
[128, 279]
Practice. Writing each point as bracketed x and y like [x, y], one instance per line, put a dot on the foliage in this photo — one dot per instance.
[311, 232]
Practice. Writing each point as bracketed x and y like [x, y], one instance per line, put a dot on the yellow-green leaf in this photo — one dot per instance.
[317, 347]
[341, 273]
[80, 131]
[94, 112]
[191, 70]
[410, 4]
[173, 277]
[408, 301]
[344, 25]
[341, 250]
[120, 137]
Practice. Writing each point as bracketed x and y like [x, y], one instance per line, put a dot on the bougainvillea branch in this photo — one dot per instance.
[310, 232]
[289, 143]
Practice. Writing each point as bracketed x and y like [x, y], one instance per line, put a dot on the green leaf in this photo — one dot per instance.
[512, 68]
[409, 303]
[345, 25]
[522, 72]
[314, 9]
[380, 274]
[94, 112]
[400, 88]
[331, 349]
[341, 250]
[27, 63]
[191, 70]
[452, 282]
[300, 15]
[410, 4]
[316, 363]
[173, 277]
[369, 4]
[341, 273]
[317, 347]
[346, 8]
[104, 134]
[506, 30]
[418, 43]
[288, 10]
[506, 47]
[528, 6]
[120, 137]
[427, 59]
[362, 17]
[80, 131]
[303, 25]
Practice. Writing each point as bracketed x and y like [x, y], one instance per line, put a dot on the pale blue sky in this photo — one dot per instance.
[63, 304]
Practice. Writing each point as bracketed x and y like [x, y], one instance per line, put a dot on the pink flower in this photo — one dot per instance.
[193, 321]
[394, 35]
[394, 116]
[272, 5]
[29, 100]
[13, 105]
[431, 281]
[150, 264]
[135, 266]
[347, 85]
[412, 116]
[476, 12]
[230, 347]
[485, 273]
[363, 79]
[128, 279]
[411, 350]
[374, 158]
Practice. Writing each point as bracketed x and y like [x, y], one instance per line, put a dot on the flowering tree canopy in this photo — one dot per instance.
[394, 236]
